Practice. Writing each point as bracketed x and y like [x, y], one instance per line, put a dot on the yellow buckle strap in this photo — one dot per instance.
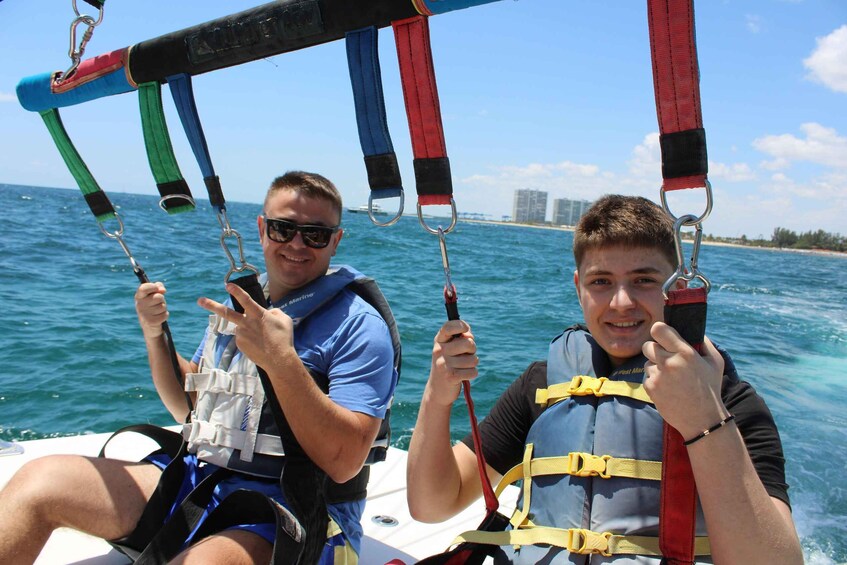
[582, 464]
[521, 515]
[587, 465]
[585, 542]
[577, 540]
[582, 385]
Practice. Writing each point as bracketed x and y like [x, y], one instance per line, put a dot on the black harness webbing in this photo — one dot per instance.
[171, 537]
[246, 506]
[303, 483]
[166, 492]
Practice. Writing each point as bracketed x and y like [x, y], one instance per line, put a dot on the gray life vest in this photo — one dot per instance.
[232, 425]
[591, 472]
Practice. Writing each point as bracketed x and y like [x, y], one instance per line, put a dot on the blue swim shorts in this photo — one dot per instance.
[337, 549]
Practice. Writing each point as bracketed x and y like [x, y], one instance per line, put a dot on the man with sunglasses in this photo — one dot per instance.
[331, 358]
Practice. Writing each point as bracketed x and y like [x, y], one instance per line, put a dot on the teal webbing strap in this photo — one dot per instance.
[96, 3]
[176, 197]
[97, 200]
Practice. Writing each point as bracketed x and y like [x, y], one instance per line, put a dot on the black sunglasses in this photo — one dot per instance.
[283, 231]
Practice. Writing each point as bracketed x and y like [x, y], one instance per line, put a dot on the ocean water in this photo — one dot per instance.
[72, 359]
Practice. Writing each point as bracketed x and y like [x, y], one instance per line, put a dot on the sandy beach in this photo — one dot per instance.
[823, 252]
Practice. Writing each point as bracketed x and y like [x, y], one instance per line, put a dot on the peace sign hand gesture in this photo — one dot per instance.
[262, 335]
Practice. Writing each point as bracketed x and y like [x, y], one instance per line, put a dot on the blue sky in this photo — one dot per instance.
[548, 94]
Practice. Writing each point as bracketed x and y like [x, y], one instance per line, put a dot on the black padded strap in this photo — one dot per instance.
[251, 507]
[170, 538]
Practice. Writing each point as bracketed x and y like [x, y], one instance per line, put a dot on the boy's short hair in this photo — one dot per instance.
[624, 221]
[312, 185]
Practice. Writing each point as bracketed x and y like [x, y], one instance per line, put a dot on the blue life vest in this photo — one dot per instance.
[591, 474]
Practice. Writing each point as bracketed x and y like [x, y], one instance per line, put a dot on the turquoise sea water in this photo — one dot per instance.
[72, 359]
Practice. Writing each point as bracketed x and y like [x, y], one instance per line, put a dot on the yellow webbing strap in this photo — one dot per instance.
[581, 464]
[582, 385]
[577, 540]
[519, 517]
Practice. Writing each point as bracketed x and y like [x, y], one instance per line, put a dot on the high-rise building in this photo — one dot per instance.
[530, 206]
[567, 212]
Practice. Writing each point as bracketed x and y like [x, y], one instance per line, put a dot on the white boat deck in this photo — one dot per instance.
[406, 540]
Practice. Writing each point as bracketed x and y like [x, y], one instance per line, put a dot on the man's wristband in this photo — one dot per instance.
[704, 433]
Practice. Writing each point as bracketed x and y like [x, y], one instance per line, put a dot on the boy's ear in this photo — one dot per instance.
[576, 286]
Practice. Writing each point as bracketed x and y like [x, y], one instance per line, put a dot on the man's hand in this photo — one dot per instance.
[262, 335]
[151, 308]
[684, 385]
[453, 360]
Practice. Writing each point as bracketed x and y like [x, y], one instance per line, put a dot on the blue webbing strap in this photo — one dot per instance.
[365, 77]
[183, 96]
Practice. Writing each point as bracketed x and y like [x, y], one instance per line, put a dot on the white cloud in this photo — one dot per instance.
[746, 201]
[828, 62]
[646, 159]
[753, 23]
[737, 172]
[7, 97]
[831, 187]
[821, 145]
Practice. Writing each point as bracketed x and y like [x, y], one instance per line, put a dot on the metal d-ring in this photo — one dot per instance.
[393, 220]
[702, 217]
[449, 228]
[189, 200]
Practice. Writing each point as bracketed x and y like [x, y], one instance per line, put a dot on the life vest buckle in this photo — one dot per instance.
[583, 385]
[586, 542]
[588, 465]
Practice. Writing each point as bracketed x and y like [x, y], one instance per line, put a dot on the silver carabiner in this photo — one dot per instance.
[117, 235]
[393, 220]
[691, 271]
[75, 53]
[226, 232]
[452, 219]
[445, 262]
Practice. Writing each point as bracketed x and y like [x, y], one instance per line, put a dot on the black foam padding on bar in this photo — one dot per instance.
[264, 31]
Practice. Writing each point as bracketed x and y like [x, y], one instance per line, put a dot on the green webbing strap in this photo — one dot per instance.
[97, 200]
[176, 197]
[96, 3]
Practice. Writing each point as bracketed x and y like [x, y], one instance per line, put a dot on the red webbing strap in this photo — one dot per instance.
[451, 303]
[676, 82]
[685, 311]
[417, 74]
[491, 502]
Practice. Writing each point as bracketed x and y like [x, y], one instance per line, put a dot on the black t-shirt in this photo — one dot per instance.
[505, 429]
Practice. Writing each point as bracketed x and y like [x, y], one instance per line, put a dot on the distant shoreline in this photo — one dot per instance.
[823, 252]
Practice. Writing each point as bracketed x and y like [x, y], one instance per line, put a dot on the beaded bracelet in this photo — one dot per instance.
[704, 433]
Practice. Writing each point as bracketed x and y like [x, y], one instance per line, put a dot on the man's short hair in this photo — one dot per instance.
[624, 221]
[312, 185]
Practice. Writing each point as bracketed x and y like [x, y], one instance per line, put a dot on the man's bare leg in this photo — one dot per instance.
[101, 497]
[230, 547]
